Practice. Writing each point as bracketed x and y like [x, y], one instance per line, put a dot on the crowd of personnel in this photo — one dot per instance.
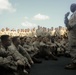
[20, 49]
[34, 31]
[19, 52]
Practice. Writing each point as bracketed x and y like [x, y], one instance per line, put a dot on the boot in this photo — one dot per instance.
[53, 57]
[36, 60]
[21, 70]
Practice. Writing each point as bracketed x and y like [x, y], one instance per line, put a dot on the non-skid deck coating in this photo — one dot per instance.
[51, 67]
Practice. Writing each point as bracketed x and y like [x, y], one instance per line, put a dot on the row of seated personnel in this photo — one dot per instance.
[18, 54]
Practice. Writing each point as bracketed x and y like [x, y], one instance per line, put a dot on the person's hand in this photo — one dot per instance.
[66, 18]
[6, 61]
[19, 62]
[29, 65]
[67, 14]
[31, 62]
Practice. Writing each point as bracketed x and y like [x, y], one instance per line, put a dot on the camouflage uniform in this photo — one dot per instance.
[7, 59]
[71, 26]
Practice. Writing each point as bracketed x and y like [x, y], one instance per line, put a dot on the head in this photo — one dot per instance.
[33, 39]
[5, 40]
[22, 40]
[28, 40]
[39, 38]
[44, 39]
[0, 42]
[16, 40]
[73, 7]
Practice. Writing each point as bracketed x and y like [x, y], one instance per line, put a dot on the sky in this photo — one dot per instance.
[31, 13]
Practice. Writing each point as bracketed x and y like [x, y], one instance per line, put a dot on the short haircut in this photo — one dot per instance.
[21, 38]
[14, 38]
[4, 37]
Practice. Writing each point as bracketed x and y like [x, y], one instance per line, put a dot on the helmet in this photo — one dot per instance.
[73, 7]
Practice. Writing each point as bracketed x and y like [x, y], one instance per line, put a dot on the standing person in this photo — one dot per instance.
[71, 26]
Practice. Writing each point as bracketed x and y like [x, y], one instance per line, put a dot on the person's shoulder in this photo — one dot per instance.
[12, 47]
[75, 12]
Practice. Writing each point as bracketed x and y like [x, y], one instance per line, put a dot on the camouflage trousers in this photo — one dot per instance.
[73, 54]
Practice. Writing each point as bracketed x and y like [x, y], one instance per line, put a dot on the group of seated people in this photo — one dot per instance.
[18, 54]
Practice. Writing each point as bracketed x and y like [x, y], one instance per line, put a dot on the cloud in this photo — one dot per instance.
[28, 24]
[40, 17]
[26, 17]
[5, 5]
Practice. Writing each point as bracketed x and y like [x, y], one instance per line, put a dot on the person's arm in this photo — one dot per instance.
[66, 21]
[3, 53]
[25, 54]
